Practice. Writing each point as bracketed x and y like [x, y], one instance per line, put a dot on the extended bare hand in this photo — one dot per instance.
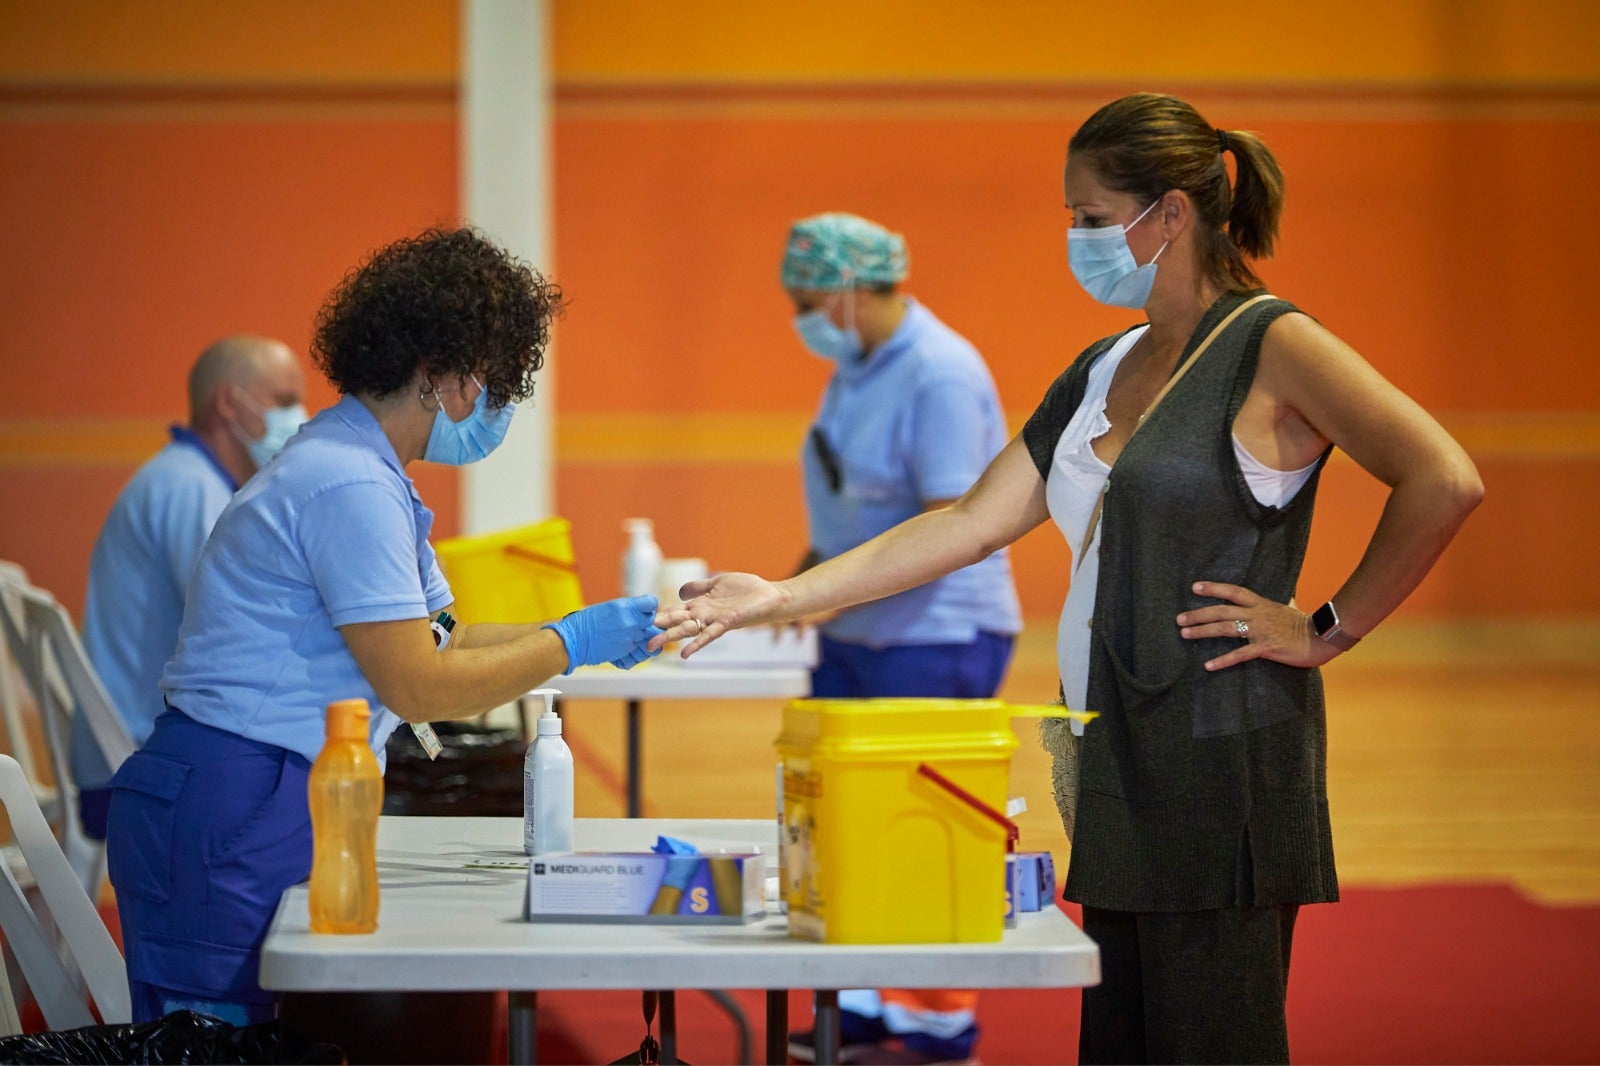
[1280, 632]
[714, 606]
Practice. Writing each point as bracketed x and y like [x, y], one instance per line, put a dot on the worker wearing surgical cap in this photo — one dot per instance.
[909, 420]
[838, 251]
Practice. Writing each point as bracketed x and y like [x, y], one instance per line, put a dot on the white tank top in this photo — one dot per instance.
[1077, 477]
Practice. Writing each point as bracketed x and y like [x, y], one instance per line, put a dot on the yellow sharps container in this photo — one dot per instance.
[524, 574]
[886, 839]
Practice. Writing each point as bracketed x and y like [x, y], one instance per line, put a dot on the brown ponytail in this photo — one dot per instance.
[1257, 195]
[1149, 143]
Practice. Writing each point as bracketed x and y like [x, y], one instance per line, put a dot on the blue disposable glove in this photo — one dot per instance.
[615, 632]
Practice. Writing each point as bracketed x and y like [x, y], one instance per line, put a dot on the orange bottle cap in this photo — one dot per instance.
[347, 720]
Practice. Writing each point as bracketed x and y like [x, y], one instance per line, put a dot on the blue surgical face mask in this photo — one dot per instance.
[280, 422]
[1103, 264]
[818, 333]
[472, 438]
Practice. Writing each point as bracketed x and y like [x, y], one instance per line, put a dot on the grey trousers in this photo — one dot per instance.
[1206, 986]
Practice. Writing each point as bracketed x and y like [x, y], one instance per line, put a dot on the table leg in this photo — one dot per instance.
[669, 1027]
[633, 758]
[522, 1037]
[826, 1029]
[777, 1026]
[741, 1024]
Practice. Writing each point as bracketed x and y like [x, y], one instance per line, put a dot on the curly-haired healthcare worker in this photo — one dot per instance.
[318, 584]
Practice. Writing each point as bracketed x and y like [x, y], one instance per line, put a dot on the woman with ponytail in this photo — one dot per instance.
[1196, 803]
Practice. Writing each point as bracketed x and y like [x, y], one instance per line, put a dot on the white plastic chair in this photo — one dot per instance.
[50, 657]
[92, 952]
[13, 654]
[13, 579]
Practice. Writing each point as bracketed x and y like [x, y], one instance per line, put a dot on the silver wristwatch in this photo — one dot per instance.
[1325, 620]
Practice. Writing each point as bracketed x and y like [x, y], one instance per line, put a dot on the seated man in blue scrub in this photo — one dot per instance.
[909, 420]
[319, 584]
[246, 398]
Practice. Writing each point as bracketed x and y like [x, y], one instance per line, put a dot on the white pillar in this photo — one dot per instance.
[505, 185]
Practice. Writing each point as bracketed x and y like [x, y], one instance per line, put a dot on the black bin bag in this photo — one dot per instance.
[180, 1037]
[478, 772]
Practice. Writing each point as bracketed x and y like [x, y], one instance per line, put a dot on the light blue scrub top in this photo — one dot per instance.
[331, 531]
[917, 421]
[138, 574]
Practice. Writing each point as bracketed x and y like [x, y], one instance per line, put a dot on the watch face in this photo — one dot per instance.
[1325, 619]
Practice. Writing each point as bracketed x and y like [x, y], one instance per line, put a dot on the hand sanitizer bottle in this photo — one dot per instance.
[547, 785]
[641, 563]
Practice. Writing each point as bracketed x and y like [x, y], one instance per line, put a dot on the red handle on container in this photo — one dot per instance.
[972, 801]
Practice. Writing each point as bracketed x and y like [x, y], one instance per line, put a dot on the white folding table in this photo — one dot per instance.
[663, 680]
[447, 926]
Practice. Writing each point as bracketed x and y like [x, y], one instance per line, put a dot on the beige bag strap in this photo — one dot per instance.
[1177, 375]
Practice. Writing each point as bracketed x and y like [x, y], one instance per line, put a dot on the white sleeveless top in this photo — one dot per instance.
[1077, 477]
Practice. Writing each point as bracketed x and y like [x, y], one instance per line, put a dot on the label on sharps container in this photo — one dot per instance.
[801, 887]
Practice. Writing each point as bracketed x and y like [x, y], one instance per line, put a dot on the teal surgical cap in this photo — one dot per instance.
[839, 251]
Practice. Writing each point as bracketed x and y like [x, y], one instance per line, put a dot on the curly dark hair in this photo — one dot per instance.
[449, 301]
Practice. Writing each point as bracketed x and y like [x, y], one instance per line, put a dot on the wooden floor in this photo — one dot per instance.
[1459, 752]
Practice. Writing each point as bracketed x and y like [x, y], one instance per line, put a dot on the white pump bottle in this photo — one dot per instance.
[641, 562]
[547, 785]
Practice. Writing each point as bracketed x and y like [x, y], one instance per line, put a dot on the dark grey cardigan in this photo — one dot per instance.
[1197, 790]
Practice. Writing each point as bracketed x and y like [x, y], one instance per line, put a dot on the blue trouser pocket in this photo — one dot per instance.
[207, 829]
[259, 845]
[145, 799]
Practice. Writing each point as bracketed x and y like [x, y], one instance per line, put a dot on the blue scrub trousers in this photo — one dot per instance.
[206, 830]
[953, 671]
[92, 805]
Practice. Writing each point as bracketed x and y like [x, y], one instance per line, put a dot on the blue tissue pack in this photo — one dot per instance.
[1030, 883]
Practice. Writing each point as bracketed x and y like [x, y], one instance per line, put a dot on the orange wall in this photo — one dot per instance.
[122, 43]
[134, 237]
[1390, 42]
[175, 171]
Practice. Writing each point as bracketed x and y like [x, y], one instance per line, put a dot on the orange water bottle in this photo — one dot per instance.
[346, 793]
